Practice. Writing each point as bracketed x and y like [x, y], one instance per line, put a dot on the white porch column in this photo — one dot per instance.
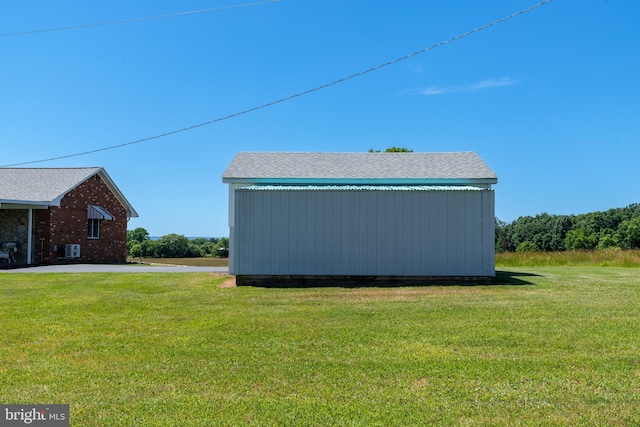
[29, 236]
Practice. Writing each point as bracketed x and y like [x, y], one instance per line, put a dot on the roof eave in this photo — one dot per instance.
[38, 203]
[131, 212]
[361, 181]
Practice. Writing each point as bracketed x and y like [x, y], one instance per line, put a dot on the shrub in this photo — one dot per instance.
[527, 246]
[629, 233]
[580, 239]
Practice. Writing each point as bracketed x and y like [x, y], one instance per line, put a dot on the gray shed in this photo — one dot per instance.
[374, 217]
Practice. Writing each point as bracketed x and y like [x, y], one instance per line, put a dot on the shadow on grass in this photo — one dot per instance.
[512, 278]
[502, 278]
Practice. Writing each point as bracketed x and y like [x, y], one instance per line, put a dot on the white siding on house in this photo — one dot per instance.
[363, 233]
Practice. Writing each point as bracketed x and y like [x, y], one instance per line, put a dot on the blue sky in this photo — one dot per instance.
[549, 99]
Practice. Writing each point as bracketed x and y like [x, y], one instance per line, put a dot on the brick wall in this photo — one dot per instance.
[68, 224]
[41, 233]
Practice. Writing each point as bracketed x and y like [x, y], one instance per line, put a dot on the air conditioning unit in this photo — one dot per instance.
[72, 251]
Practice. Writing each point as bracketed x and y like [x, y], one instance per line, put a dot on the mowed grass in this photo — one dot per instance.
[551, 346]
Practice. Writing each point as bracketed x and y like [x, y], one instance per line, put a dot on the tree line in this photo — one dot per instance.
[139, 244]
[615, 228]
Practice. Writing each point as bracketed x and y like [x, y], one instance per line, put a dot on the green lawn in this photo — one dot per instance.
[556, 346]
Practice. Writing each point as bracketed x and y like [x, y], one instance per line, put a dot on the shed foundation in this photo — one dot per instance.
[292, 281]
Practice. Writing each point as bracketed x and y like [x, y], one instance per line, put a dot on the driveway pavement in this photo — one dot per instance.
[115, 268]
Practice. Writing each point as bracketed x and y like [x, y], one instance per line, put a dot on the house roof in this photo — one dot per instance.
[47, 186]
[358, 168]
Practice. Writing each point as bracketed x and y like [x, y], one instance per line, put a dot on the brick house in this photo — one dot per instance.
[62, 215]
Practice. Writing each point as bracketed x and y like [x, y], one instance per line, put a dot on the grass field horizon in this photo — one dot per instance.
[560, 348]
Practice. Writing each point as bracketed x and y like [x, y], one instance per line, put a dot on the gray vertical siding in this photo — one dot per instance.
[363, 233]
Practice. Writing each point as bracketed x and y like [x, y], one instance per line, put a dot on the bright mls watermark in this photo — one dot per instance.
[34, 415]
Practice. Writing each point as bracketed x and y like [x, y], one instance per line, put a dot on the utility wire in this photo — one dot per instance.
[145, 18]
[288, 98]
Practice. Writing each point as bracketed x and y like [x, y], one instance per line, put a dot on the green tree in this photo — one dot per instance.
[527, 246]
[133, 249]
[607, 239]
[203, 246]
[393, 150]
[149, 248]
[137, 235]
[221, 248]
[175, 246]
[503, 233]
[629, 233]
[612, 228]
[538, 230]
[135, 238]
[580, 238]
[560, 226]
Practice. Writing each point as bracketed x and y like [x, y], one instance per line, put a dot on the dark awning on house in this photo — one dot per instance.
[96, 212]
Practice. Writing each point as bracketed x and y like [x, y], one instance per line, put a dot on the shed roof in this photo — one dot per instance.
[278, 167]
[47, 186]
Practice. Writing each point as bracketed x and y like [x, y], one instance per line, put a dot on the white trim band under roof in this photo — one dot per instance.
[361, 181]
[359, 188]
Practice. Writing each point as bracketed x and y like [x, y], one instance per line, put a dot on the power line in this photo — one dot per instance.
[288, 98]
[145, 18]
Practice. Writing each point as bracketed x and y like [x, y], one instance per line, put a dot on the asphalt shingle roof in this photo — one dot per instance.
[463, 165]
[40, 184]
[46, 186]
